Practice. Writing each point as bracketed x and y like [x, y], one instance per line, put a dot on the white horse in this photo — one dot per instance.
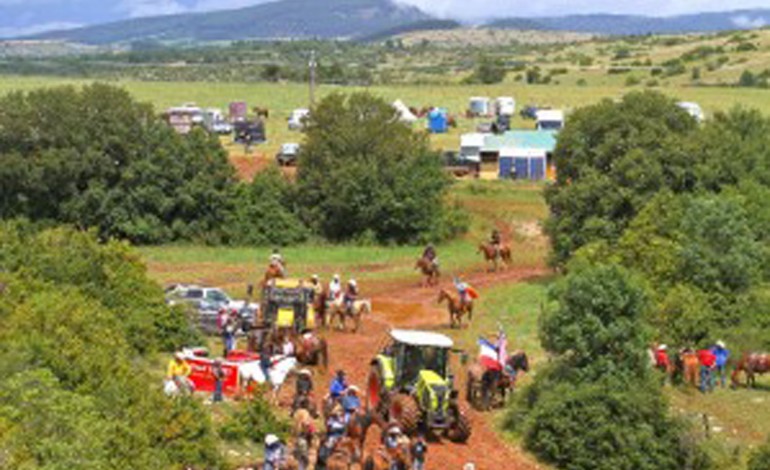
[280, 368]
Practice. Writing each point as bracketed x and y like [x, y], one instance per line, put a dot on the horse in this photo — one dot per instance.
[487, 382]
[320, 307]
[751, 364]
[429, 269]
[311, 349]
[250, 373]
[273, 271]
[456, 308]
[491, 255]
[339, 310]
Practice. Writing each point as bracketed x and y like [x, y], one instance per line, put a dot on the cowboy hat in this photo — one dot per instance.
[314, 277]
[304, 372]
[721, 344]
[662, 347]
[179, 355]
[271, 439]
[354, 389]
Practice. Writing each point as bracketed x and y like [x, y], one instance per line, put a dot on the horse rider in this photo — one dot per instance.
[315, 284]
[462, 292]
[276, 260]
[351, 403]
[275, 453]
[351, 294]
[178, 372]
[430, 254]
[302, 388]
[335, 287]
[393, 439]
[495, 240]
[335, 431]
[338, 386]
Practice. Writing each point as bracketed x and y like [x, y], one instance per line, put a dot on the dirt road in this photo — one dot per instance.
[415, 307]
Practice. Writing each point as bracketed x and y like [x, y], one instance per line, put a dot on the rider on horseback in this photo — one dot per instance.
[351, 294]
[303, 388]
[351, 403]
[316, 285]
[276, 260]
[335, 287]
[335, 431]
[338, 386]
[462, 291]
[496, 241]
[430, 254]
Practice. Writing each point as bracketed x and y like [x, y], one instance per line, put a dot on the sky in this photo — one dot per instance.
[20, 17]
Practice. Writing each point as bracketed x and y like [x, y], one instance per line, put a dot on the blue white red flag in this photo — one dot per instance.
[489, 356]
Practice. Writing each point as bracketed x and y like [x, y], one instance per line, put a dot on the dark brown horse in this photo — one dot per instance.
[429, 269]
[321, 307]
[456, 308]
[311, 349]
[751, 364]
[484, 383]
[491, 255]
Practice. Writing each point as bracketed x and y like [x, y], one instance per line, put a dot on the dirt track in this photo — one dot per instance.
[415, 307]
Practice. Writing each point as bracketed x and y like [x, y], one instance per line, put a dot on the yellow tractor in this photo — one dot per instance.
[410, 383]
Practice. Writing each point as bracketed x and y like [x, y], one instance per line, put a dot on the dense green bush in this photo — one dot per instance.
[93, 157]
[363, 171]
[77, 319]
[253, 423]
[264, 212]
[760, 458]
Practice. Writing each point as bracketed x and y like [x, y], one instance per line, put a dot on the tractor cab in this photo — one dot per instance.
[287, 303]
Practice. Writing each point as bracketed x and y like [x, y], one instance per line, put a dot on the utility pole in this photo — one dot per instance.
[312, 65]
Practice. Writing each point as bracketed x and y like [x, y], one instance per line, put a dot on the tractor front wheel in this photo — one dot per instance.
[460, 430]
[376, 395]
[405, 411]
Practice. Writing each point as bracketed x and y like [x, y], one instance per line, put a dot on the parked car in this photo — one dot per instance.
[207, 302]
[288, 154]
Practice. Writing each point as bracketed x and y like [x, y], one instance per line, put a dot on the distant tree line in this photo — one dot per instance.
[94, 158]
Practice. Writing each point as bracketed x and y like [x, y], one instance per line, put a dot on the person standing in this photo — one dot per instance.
[179, 372]
[662, 362]
[419, 450]
[219, 380]
[275, 454]
[722, 355]
[335, 288]
[707, 361]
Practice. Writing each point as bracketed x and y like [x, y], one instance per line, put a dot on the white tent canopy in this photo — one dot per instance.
[403, 112]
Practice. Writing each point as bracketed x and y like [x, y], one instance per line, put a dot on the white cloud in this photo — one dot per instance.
[481, 9]
[747, 22]
[20, 31]
[138, 8]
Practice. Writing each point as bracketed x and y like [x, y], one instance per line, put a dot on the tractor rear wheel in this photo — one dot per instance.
[376, 395]
[460, 430]
[405, 411]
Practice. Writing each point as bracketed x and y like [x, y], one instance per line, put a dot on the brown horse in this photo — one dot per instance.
[429, 269]
[320, 307]
[690, 366]
[311, 349]
[493, 256]
[456, 308]
[751, 364]
[273, 272]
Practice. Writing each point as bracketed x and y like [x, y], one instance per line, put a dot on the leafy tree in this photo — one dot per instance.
[489, 71]
[93, 157]
[264, 212]
[596, 327]
[362, 171]
[612, 158]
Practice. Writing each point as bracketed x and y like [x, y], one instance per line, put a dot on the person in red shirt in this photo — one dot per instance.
[708, 362]
[662, 362]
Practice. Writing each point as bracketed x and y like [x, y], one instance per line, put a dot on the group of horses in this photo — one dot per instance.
[494, 257]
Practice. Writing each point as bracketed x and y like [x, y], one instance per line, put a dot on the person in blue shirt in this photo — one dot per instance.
[338, 386]
[351, 403]
[722, 354]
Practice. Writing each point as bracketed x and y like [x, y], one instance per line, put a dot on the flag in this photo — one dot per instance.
[502, 344]
[489, 356]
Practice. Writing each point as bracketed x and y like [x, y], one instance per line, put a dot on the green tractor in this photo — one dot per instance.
[410, 383]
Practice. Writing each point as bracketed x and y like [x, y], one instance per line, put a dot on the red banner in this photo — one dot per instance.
[203, 377]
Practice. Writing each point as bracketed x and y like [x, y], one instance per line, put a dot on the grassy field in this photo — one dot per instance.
[282, 98]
